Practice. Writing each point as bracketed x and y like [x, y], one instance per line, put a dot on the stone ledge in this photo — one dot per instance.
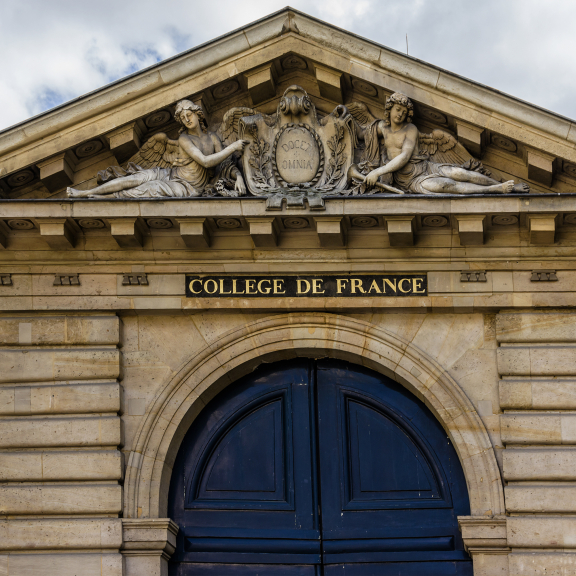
[484, 534]
[151, 535]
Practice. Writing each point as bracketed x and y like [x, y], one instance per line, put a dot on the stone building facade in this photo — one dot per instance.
[106, 359]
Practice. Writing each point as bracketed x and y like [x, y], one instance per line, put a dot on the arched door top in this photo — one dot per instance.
[315, 335]
[317, 467]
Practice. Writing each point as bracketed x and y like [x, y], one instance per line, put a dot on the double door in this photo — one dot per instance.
[317, 468]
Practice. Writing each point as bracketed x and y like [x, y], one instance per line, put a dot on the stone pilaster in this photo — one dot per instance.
[147, 545]
[486, 541]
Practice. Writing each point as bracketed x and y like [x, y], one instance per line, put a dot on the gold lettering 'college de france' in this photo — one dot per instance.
[306, 286]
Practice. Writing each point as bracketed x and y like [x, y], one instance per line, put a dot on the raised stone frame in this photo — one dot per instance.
[238, 352]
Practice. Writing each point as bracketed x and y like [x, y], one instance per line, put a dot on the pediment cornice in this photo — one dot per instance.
[481, 114]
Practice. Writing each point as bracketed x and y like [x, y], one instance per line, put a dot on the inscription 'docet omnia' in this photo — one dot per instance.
[297, 155]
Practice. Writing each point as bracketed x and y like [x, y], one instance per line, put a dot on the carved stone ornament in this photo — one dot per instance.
[296, 156]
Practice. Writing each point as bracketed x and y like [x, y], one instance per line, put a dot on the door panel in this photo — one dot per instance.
[391, 484]
[244, 481]
[317, 468]
[248, 462]
[402, 474]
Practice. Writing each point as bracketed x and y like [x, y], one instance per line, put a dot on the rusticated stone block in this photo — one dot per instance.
[536, 327]
[55, 364]
[541, 531]
[64, 399]
[530, 464]
[551, 498]
[536, 361]
[68, 499]
[55, 465]
[63, 564]
[60, 534]
[542, 563]
[536, 394]
[44, 432]
[64, 329]
[530, 428]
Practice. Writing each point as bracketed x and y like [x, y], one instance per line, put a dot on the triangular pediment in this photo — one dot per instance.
[252, 67]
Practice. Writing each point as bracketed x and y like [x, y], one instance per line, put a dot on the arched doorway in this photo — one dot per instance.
[317, 467]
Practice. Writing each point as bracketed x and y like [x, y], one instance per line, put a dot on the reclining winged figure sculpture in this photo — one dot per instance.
[397, 153]
[295, 153]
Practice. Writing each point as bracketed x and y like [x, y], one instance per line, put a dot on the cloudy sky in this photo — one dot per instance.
[51, 52]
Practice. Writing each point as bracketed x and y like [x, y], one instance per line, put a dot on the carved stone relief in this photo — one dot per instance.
[295, 155]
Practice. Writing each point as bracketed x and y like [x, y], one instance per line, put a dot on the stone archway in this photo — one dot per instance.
[290, 335]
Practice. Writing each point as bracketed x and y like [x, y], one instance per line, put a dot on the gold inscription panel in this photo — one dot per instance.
[389, 285]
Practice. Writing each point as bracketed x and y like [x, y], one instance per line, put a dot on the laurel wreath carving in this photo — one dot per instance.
[337, 159]
[260, 161]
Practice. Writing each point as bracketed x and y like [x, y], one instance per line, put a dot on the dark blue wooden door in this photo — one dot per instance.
[317, 468]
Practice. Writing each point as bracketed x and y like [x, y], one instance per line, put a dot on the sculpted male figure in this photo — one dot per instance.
[177, 168]
[413, 168]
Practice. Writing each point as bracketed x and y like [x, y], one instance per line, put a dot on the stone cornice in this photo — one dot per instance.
[63, 223]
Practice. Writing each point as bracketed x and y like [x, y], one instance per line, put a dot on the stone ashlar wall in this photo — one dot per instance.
[65, 421]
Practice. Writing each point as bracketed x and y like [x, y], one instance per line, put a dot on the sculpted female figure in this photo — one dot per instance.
[177, 168]
[417, 163]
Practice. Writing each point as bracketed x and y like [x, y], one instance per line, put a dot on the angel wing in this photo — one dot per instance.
[157, 151]
[443, 148]
[361, 114]
[228, 130]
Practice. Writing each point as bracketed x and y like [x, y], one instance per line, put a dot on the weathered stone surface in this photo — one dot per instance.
[53, 364]
[195, 232]
[58, 171]
[536, 327]
[147, 545]
[69, 329]
[400, 230]
[331, 232]
[261, 84]
[56, 432]
[537, 361]
[63, 399]
[126, 140]
[480, 534]
[62, 564]
[471, 229]
[550, 498]
[329, 82]
[534, 428]
[557, 394]
[539, 464]
[55, 465]
[541, 531]
[68, 499]
[60, 534]
[539, 563]
[540, 166]
[263, 231]
[542, 228]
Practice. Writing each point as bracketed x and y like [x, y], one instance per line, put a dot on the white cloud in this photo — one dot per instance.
[54, 51]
